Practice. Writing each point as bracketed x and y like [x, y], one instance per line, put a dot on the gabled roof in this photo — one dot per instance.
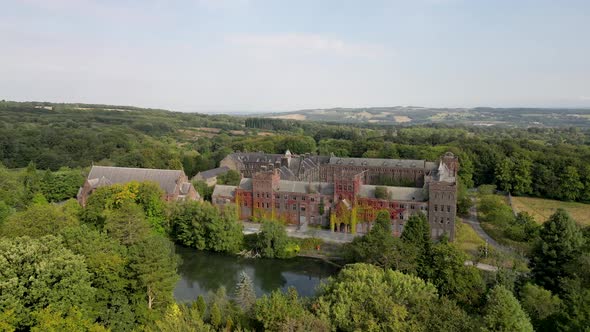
[301, 187]
[211, 173]
[107, 175]
[223, 190]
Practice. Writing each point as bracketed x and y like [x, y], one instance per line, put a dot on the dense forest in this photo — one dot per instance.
[111, 264]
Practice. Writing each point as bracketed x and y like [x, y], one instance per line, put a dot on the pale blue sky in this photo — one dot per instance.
[238, 55]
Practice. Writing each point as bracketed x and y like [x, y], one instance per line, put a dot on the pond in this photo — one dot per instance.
[202, 271]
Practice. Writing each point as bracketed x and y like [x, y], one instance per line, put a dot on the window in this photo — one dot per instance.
[402, 206]
[257, 204]
[412, 206]
[294, 198]
[303, 198]
[448, 208]
[312, 199]
[267, 195]
[277, 205]
[448, 221]
[435, 207]
[258, 195]
[294, 207]
[401, 216]
[303, 208]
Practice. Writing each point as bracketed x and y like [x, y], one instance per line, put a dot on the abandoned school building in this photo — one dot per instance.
[342, 193]
[174, 183]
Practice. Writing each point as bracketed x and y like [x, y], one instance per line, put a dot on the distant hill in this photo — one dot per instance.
[479, 116]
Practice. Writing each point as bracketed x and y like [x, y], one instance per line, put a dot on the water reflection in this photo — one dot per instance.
[202, 272]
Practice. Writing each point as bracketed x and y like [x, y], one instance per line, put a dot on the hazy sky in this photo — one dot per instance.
[234, 55]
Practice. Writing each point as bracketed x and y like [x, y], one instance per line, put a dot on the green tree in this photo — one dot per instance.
[48, 320]
[245, 295]
[540, 305]
[37, 273]
[127, 224]
[504, 313]
[363, 297]
[31, 181]
[106, 260]
[561, 241]
[203, 226]
[181, 318]
[503, 174]
[286, 312]
[380, 248]
[39, 220]
[417, 233]
[215, 316]
[231, 178]
[153, 264]
[5, 211]
[452, 278]
[272, 241]
[570, 187]
[522, 177]
[201, 306]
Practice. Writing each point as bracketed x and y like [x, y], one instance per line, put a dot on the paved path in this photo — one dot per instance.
[472, 221]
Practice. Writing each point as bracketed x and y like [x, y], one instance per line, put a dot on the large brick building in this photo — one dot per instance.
[343, 193]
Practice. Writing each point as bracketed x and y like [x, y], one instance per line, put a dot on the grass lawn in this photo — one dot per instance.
[541, 209]
[467, 240]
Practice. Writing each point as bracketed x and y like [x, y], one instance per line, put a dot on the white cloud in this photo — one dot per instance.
[305, 44]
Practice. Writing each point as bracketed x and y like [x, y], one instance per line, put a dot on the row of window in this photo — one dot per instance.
[285, 197]
[448, 196]
[277, 206]
[442, 208]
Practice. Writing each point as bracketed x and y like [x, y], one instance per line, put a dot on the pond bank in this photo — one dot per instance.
[202, 272]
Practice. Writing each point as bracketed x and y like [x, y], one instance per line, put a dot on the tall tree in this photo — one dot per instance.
[379, 247]
[153, 266]
[570, 187]
[452, 278]
[127, 224]
[106, 260]
[245, 295]
[504, 313]
[417, 233]
[560, 243]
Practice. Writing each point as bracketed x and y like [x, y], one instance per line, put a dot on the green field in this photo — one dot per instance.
[541, 209]
[467, 240]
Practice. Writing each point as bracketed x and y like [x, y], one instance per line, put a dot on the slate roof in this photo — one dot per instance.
[246, 184]
[301, 187]
[211, 173]
[107, 175]
[377, 162]
[396, 193]
[223, 190]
